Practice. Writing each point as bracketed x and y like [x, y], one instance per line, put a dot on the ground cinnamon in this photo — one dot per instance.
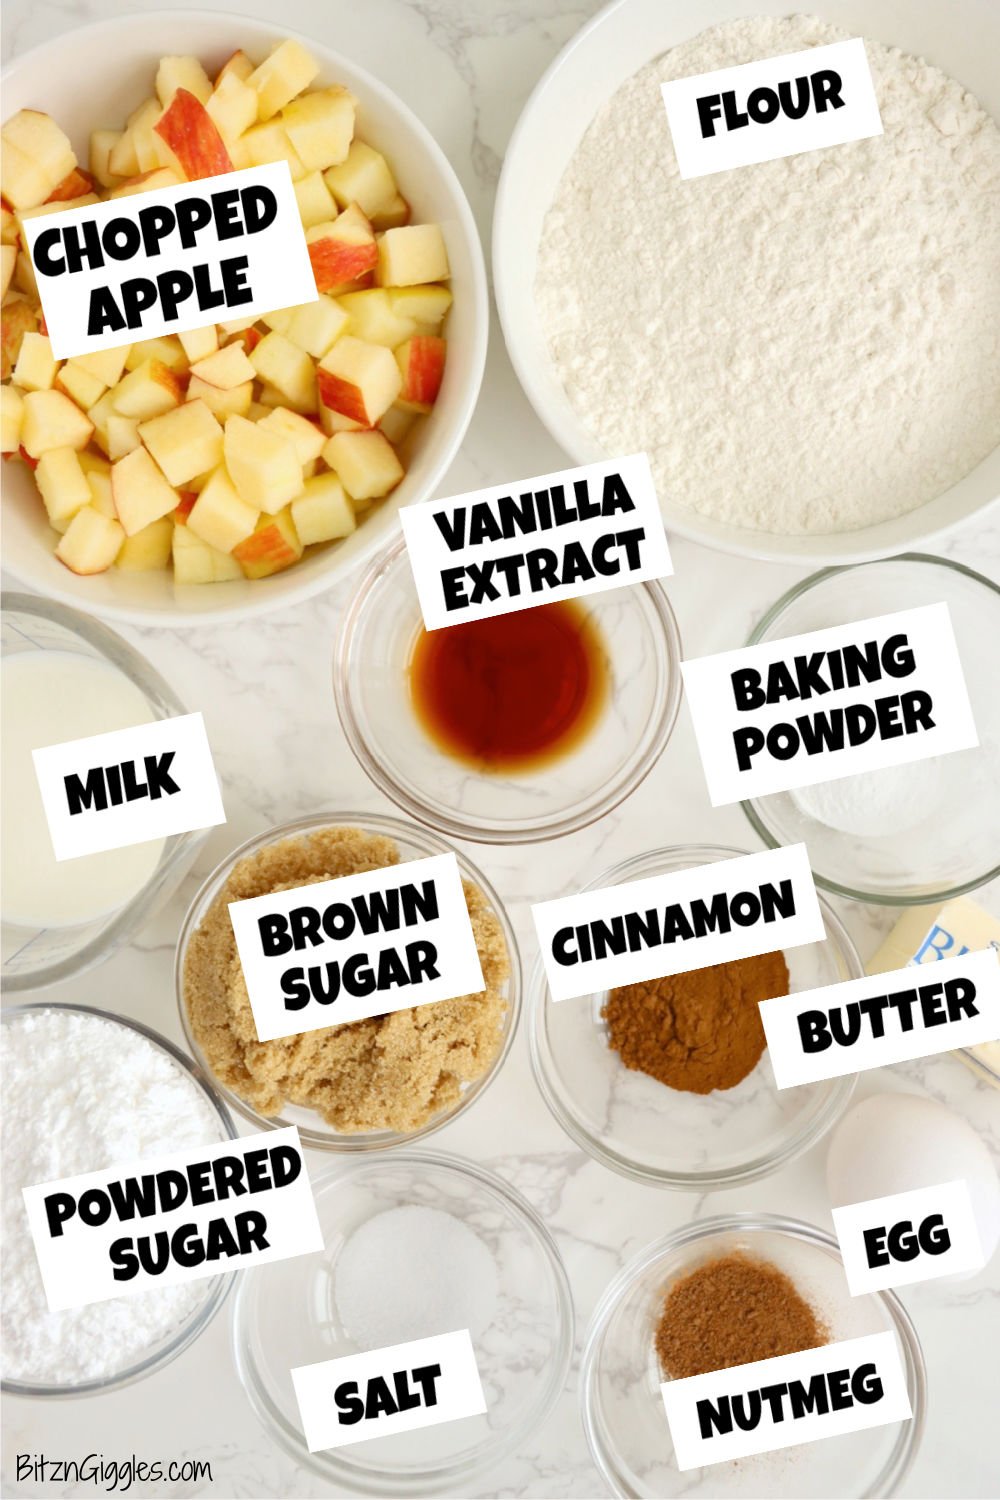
[699, 1031]
[731, 1311]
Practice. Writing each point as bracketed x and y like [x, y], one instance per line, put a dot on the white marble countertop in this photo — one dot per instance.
[466, 67]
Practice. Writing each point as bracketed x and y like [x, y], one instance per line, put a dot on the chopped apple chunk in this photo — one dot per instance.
[305, 437]
[184, 442]
[365, 462]
[341, 250]
[191, 133]
[320, 126]
[11, 419]
[273, 545]
[362, 178]
[52, 420]
[149, 549]
[147, 391]
[421, 364]
[225, 368]
[357, 380]
[62, 484]
[219, 516]
[36, 368]
[141, 494]
[262, 464]
[323, 512]
[196, 562]
[286, 72]
[91, 542]
[316, 205]
[288, 368]
[412, 255]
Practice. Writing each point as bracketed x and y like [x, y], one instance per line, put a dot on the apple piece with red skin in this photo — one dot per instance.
[185, 505]
[191, 133]
[75, 184]
[359, 381]
[342, 249]
[421, 364]
[272, 545]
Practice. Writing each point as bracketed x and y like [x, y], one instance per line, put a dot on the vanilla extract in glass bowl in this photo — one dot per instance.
[509, 730]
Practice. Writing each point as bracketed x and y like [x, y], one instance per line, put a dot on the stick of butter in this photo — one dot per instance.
[926, 933]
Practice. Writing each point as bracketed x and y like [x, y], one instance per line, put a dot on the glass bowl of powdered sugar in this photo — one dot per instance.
[85, 1090]
[415, 1245]
[912, 834]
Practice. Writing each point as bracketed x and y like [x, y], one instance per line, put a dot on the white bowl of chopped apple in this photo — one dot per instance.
[235, 468]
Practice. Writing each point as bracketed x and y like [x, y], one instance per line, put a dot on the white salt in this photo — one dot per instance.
[80, 1094]
[412, 1272]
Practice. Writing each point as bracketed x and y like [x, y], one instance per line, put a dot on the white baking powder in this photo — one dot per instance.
[803, 345]
[80, 1094]
[877, 804]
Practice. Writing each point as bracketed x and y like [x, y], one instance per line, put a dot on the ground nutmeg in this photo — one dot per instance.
[699, 1031]
[731, 1311]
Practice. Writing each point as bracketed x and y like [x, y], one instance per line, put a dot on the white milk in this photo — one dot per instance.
[51, 697]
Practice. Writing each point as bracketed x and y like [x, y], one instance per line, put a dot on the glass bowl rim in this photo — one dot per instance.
[705, 1180]
[908, 1441]
[143, 675]
[383, 1483]
[323, 1140]
[219, 1285]
[521, 831]
[751, 806]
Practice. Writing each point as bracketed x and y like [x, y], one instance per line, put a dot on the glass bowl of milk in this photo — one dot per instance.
[65, 678]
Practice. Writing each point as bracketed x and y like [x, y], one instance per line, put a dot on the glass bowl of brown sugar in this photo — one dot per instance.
[368, 1084]
[683, 1306]
[693, 1105]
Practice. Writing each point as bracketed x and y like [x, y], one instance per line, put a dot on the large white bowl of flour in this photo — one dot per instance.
[808, 349]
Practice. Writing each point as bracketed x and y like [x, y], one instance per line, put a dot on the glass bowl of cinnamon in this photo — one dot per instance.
[666, 1081]
[725, 1291]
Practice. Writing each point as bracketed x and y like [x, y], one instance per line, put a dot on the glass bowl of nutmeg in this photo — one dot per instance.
[364, 1085]
[729, 1291]
[689, 1102]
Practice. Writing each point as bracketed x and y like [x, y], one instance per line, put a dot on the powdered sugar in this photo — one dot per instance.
[805, 345]
[82, 1093]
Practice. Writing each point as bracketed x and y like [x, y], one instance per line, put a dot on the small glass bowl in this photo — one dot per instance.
[34, 957]
[286, 1316]
[623, 1413]
[951, 846]
[659, 1135]
[371, 686]
[413, 843]
[214, 1288]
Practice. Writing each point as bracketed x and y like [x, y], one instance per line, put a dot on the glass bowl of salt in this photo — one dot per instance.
[416, 1244]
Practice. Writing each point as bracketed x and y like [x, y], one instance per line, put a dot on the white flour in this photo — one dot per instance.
[81, 1093]
[804, 345]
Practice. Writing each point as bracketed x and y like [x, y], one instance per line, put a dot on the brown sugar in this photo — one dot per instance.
[392, 1072]
[700, 1031]
[731, 1311]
